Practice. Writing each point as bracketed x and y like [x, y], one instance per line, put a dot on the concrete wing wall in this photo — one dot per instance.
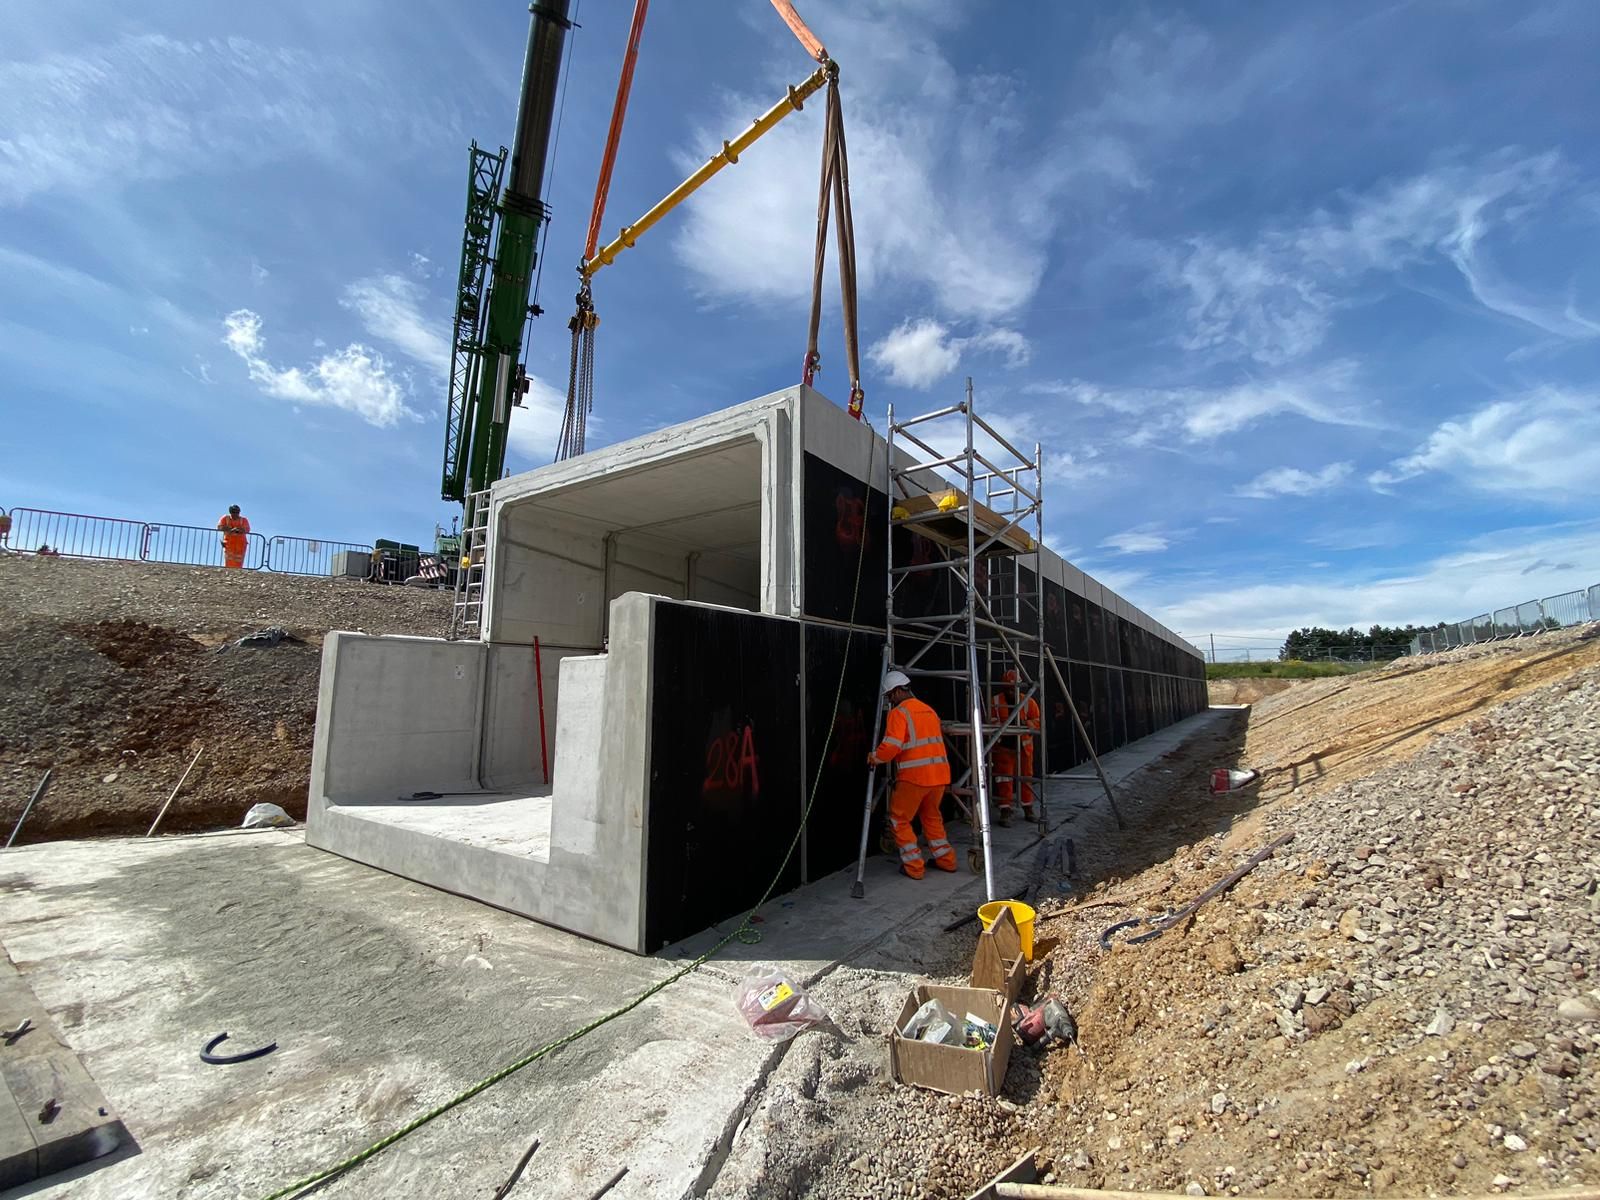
[396, 715]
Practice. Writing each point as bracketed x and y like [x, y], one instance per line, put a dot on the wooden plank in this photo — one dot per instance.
[952, 530]
[1023, 1170]
[64, 1119]
[19, 1157]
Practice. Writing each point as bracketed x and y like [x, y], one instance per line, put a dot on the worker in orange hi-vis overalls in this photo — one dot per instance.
[1004, 758]
[914, 741]
[235, 537]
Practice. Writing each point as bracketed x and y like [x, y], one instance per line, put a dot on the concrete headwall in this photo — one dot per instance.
[402, 715]
[397, 715]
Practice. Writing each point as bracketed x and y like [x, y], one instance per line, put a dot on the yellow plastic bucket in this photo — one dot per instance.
[1020, 912]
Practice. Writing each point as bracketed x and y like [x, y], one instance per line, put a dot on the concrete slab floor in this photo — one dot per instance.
[511, 824]
[387, 997]
[819, 925]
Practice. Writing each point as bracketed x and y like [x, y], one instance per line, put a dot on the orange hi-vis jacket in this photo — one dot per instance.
[233, 528]
[1000, 710]
[912, 737]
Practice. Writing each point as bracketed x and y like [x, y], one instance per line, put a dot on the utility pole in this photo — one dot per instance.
[1213, 638]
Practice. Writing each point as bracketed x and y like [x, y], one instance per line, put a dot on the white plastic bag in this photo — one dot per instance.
[1225, 779]
[266, 816]
[933, 1022]
[775, 1007]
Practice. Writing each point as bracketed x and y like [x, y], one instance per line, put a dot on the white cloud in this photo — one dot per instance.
[137, 108]
[390, 308]
[930, 148]
[1273, 300]
[1001, 341]
[1329, 395]
[1292, 481]
[1544, 445]
[1500, 295]
[1236, 408]
[355, 379]
[1496, 570]
[536, 423]
[1136, 541]
[1066, 466]
[1120, 582]
[918, 353]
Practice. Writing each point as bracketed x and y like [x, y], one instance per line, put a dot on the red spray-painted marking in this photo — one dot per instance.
[731, 763]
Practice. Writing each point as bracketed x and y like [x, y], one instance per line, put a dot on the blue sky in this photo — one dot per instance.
[1302, 301]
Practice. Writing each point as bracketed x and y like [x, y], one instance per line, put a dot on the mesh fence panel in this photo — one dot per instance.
[1569, 608]
[1505, 623]
[1530, 617]
[79, 535]
[76, 535]
[307, 556]
[197, 546]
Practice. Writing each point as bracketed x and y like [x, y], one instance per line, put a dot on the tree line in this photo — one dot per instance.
[1349, 645]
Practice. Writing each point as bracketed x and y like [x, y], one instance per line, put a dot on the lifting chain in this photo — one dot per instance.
[580, 377]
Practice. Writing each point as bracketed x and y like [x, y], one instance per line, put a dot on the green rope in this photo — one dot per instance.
[746, 932]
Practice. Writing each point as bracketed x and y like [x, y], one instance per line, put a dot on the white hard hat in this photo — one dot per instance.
[895, 679]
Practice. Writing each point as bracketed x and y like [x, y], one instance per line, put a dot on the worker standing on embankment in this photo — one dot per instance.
[1005, 759]
[235, 530]
[914, 740]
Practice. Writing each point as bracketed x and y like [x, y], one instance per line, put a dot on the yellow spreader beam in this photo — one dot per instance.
[730, 153]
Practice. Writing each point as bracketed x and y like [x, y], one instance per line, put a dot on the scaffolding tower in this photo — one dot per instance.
[980, 501]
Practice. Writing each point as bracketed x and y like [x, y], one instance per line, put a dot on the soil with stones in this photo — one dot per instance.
[1402, 1000]
[117, 673]
[1246, 691]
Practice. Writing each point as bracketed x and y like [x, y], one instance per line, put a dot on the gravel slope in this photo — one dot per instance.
[1400, 1002]
[115, 675]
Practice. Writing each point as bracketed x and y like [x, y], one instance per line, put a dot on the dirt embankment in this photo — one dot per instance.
[116, 673]
[1247, 691]
[1402, 1001]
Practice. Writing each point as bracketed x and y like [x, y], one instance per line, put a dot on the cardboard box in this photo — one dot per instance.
[999, 964]
[953, 1069]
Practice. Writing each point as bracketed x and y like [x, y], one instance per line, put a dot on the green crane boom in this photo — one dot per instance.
[486, 378]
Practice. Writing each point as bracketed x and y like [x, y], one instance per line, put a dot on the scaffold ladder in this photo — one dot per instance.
[466, 613]
[993, 621]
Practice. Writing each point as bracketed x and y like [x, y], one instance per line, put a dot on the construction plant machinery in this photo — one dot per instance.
[499, 257]
[492, 312]
[499, 248]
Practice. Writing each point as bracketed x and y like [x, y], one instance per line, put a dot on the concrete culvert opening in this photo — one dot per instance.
[687, 527]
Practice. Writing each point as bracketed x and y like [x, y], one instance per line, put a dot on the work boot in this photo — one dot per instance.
[1030, 813]
[1003, 817]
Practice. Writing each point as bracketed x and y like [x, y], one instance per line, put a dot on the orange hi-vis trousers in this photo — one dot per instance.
[917, 801]
[1005, 768]
[233, 549]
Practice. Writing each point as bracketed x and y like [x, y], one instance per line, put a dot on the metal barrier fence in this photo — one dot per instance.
[76, 535]
[1519, 620]
[311, 556]
[197, 546]
[40, 531]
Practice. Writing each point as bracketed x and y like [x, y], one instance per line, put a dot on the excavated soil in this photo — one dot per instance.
[1399, 1001]
[117, 673]
[1247, 691]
